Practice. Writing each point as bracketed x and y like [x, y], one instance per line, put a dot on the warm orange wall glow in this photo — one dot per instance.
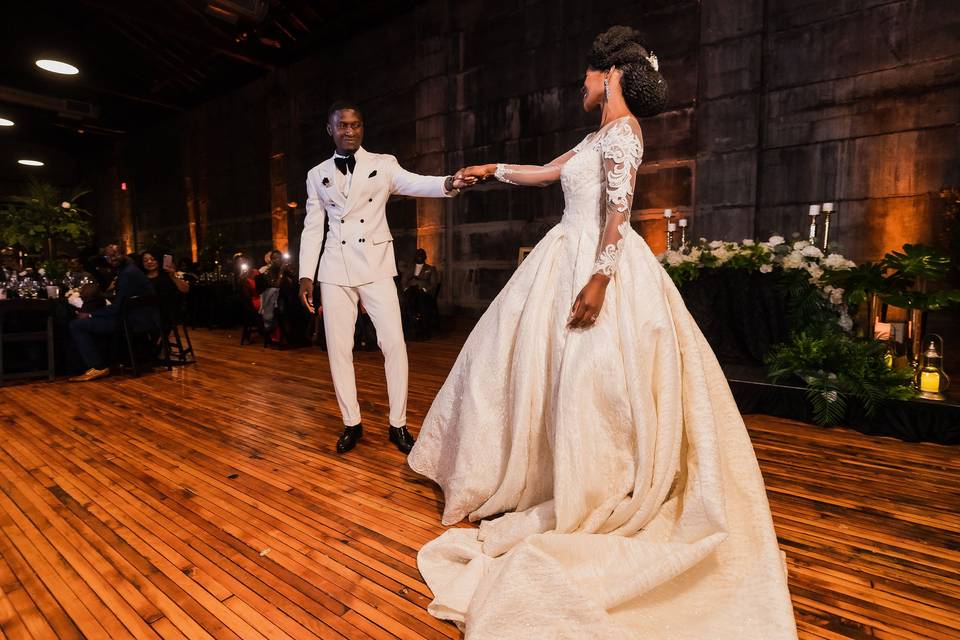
[193, 242]
[430, 215]
[279, 202]
[125, 216]
[281, 238]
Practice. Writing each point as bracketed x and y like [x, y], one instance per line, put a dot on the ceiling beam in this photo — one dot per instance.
[181, 30]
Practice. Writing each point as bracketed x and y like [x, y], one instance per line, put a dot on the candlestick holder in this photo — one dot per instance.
[827, 210]
[814, 212]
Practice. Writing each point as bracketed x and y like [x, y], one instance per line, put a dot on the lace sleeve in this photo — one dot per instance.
[533, 175]
[621, 150]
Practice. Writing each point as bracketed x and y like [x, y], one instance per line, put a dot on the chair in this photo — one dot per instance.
[23, 308]
[130, 330]
[252, 321]
[175, 345]
[171, 334]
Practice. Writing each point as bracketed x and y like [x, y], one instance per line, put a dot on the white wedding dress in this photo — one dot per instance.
[633, 499]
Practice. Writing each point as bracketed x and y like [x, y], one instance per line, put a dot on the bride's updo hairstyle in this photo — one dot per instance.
[644, 89]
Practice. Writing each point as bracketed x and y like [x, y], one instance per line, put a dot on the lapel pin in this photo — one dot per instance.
[373, 173]
[326, 181]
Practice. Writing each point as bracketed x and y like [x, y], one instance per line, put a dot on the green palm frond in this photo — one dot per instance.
[836, 366]
[917, 261]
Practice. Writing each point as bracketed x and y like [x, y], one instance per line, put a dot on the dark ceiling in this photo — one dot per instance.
[145, 60]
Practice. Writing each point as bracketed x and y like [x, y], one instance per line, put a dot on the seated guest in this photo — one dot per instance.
[106, 270]
[76, 275]
[247, 282]
[418, 299]
[9, 265]
[85, 330]
[422, 276]
[268, 260]
[270, 281]
[167, 283]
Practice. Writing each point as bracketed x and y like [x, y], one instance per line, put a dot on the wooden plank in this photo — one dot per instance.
[196, 504]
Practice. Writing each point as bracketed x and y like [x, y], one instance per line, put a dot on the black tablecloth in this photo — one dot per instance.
[742, 313]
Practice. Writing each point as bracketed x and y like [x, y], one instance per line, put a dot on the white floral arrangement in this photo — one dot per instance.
[776, 252]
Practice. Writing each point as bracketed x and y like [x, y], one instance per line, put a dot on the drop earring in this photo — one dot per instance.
[606, 90]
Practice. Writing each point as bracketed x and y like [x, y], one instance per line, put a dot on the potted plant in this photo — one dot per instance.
[909, 274]
[42, 217]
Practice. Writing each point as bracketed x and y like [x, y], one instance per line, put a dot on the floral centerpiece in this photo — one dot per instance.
[824, 355]
[802, 263]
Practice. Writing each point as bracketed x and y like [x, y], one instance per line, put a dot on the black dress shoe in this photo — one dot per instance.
[402, 438]
[349, 438]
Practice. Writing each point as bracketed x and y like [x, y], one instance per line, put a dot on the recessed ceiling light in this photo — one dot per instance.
[55, 66]
[6, 123]
[31, 163]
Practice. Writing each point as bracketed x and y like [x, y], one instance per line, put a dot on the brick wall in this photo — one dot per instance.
[774, 105]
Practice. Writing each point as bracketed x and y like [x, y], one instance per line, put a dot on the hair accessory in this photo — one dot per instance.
[652, 59]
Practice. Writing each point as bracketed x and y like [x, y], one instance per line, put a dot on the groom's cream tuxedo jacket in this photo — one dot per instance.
[359, 246]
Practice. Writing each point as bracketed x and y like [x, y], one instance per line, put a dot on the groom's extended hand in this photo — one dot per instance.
[306, 294]
[460, 181]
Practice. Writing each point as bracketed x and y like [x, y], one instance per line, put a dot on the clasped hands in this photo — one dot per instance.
[470, 176]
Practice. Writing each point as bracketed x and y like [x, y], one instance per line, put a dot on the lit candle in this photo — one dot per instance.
[667, 213]
[682, 222]
[930, 381]
[671, 227]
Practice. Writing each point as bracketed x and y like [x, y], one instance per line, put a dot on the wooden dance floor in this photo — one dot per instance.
[209, 503]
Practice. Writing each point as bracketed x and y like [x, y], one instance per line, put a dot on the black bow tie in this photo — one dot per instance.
[345, 164]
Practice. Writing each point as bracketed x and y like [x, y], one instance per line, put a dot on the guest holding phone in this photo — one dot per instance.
[169, 285]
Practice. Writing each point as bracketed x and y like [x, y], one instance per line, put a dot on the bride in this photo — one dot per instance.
[587, 409]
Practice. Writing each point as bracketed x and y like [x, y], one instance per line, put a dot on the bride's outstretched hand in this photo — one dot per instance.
[480, 173]
[586, 308]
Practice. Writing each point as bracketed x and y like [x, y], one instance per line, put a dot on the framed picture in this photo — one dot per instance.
[521, 256]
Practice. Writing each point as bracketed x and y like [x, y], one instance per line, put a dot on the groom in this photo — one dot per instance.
[350, 190]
